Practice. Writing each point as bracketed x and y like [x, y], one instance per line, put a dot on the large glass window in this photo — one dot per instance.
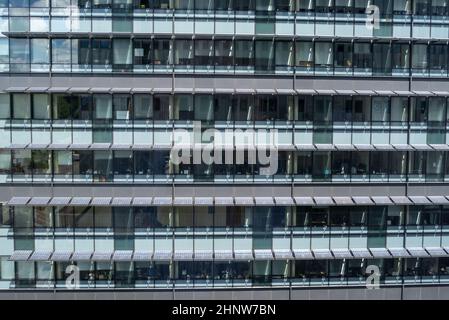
[19, 54]
[21, 106]
[244, 54]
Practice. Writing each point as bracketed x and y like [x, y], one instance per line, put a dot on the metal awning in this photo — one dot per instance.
[122, 255]
[363, 200]
[58, 89]
[346, 92]
[419, 200]
[224, 201]
[400, 200]
[82, 255]
[100, 146]
[282, 254]
[285, 91]
[303, 254]
[224, 90]
[382, 200]
[101, 201]
[60, 201]
[20, 255]
[440, 147]
[162, 201]
[37, 89]
[16, 89]
[203, 255]
[326, 92]
[59, 146]
[265, 91]
[121, 90]
[423, 93]
[18, 201]
[142, 201]
[342, 253]
[284, 201]
[404, 93]
[80, 201]
[323, 201]
[418, 252]
[364, 147]
[244, 201]
[438, 200]
[185, 255]
[304, 147]
[244, 91]
[99, 90]
[264, 201]
[183, 201]
[61, 255]
[78, 89]
[141, 90]
[343, 201]
[365, 92]
[361, 253]
[422, 147]
[183, 90]
[380, 252]
[39, 201]
[243, 255]
[78, 146]
[322, 254]
[121, 201]
[263, 254]
[223, 255]
[436, 251]
[121, 146]
[441, 93]
[40, 255]
[345, 147]
[324, 146]
[304, 201]
[142, 255]
[398, 252]
[383, 147]
[162, 255]
[204, 201]
[402, 147]
[306, 91]
[102, 255]
[385, 92]
[37, 146]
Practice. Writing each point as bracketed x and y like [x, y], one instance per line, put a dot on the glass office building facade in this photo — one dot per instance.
[93, 93]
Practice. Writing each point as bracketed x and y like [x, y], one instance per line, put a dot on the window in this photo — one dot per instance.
[421, 7]
[5, 164]
[41, 162]
[21, 162]
[19, 55]
[101, 52]
[419, 57]
[183, 52]
[208, 5]
[122, 54]
[204, 53]
[43, 217]
[439, 8]
[143, 106]
[21, 106]
[40, 52]
[161, 105]
[401, 56]
[142, 163]
[438, 54]
[223, 107]
[103, 217]
[264, 55]
[224, 53]
[321, 165]
[362, 58]
[244, 54]
[41, 106]
[323, 54]
[142, 52]
[382, 58]
[162, 52]
[122, 106]
[102, 166]
[123, 163]
[343, 55]
[284, 55]
[304, 54]
[204, 107]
